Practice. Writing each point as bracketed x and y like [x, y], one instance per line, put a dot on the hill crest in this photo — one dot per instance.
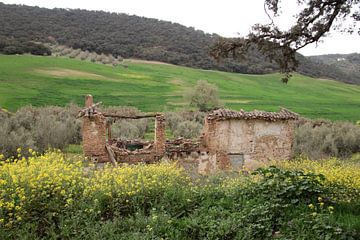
[131, 36]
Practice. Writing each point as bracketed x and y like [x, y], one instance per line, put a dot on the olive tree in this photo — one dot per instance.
[204, 96]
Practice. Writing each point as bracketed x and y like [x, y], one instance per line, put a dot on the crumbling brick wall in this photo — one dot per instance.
[230, 140]
[160, 137]
[94, 135]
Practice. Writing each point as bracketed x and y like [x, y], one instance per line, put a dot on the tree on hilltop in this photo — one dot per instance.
[203, 96]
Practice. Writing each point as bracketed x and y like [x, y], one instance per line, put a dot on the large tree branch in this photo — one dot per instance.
[313, 22]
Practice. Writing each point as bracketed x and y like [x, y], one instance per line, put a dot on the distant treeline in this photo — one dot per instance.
[137, 37]
[13, 46]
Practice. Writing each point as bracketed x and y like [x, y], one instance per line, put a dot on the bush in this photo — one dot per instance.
[188, 129]
[204, 96]
[39, 129]
[173, 119]
[185, 124]
[126, 128]
[129, 129]
[334, 139]
[74, 53]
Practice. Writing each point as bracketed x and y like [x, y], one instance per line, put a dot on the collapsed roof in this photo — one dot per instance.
[225, 114]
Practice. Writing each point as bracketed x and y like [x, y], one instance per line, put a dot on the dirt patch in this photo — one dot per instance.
[236, 101]
[63, 72]
[177, 103]
[145, 61]
[177, 82]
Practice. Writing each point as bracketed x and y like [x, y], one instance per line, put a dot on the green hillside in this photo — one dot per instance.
[156, 87]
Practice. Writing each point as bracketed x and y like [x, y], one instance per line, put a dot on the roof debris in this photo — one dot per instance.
[225, 114]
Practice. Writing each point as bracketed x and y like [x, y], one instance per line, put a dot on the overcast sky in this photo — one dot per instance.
[229, 18]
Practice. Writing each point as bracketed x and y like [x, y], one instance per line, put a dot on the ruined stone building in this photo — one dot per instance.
[230, 141]
[236, 139]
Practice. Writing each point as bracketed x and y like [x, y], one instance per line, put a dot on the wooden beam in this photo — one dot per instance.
[131, 117]
[88, 111]
[111, 155]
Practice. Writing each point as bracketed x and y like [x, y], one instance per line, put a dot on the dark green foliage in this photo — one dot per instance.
[11, 46]
[289, 187]
[338, 66]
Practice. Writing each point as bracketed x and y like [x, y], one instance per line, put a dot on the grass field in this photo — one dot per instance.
[43, 81]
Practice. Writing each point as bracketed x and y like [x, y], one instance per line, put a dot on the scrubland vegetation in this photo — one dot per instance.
[318, 139]
[56, 127]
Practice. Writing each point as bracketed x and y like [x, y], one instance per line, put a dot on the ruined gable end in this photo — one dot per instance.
[243, 139]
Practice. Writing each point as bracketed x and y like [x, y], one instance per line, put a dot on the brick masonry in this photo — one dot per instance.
[160, 137]
[94, 135]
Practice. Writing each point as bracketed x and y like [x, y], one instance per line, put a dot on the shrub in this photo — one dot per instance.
[74, 53]
[126, 128]
[173, 119]
[204, 96]
[129, 129]
[66, 51]
[343, 176]
[188, 129]
[334, 139]
[83, 55]
[39, 129]
[289, 186]
[185, 124]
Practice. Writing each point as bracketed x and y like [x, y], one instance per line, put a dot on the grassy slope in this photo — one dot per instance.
[156, 87]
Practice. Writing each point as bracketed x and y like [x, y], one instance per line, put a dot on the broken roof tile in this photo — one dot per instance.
[225, 114]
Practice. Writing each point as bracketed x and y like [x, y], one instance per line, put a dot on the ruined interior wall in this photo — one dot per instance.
[255, 139]
[273, 140]
[150, 157]
[216, 155]
[160, 137]
[94, 138]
